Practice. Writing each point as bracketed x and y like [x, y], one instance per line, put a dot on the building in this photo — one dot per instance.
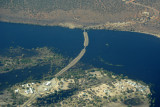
[27, 85]
[45, 89]
[48, 83]
[31, 90]
[16, 91]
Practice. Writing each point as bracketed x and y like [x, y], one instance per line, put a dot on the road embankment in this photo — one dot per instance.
[71, 64]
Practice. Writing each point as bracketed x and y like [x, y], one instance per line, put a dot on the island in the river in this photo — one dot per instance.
[85, 87]
[92, 87]
[20, 58]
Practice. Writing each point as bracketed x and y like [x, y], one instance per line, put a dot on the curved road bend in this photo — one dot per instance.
[156, 12]
[72, 63]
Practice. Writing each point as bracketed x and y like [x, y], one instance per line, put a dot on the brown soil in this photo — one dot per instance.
[94, 14]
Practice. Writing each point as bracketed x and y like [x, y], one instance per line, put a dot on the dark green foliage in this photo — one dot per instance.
[56, 97]
[1, 63]
[17, 99]
[133, 101]
[114, 99]
[130, 91]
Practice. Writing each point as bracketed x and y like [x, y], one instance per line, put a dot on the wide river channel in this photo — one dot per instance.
[132, 54]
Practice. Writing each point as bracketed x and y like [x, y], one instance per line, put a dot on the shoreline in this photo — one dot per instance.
[102, 88]
[70, 25]
[64, 25]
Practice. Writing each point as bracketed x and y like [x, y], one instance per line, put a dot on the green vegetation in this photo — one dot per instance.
[133, 101]
[20, 58]
[55, 97]
[110, 64]
[85, 79]
[27, 65]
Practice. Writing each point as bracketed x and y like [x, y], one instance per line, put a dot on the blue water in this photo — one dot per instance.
[64, 41]
[68, 42]
[139, 54]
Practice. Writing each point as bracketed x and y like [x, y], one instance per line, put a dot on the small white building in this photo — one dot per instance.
[16, 91]
[31, 90]
[48, 83]
[27, 85]
[45, 89]
[146, 13]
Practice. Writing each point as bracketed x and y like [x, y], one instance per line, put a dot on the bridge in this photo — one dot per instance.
[71, 64]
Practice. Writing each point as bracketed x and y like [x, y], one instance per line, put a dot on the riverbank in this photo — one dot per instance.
[92, 27]
[130, 15]
[91, 40]
[95, 87]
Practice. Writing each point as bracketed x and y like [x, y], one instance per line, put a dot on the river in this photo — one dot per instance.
[132, 54]
[135, 55]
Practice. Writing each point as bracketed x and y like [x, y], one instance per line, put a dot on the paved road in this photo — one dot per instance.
[72, 63]
[32, 98]
[86, 40]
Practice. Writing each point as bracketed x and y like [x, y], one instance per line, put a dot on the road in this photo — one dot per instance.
[156, 12]
[72, 63]
[32, 98]
[86, 40]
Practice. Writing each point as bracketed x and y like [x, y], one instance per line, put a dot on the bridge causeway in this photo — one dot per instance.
[71, 64]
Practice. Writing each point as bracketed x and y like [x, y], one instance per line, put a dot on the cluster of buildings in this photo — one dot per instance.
[28, 88]
[31, 88]
[48, 83]
[140, 87]
[114, 89]
[29, 91]
[128, 84]
[43, 88]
